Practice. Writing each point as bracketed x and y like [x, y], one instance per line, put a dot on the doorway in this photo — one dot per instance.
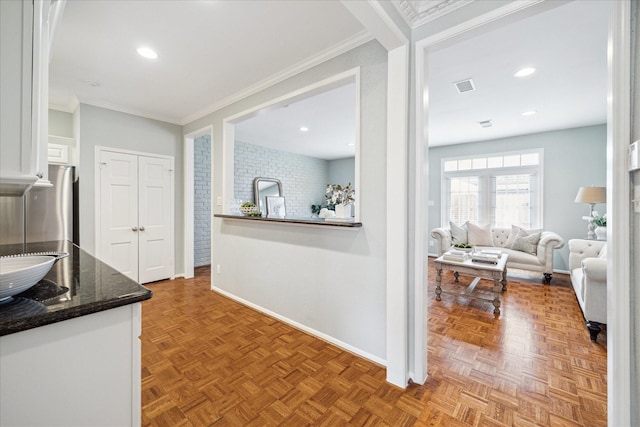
[618, 200]
[198, 166]
[134, 216]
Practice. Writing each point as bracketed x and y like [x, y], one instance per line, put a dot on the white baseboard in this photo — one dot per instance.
[303, 328]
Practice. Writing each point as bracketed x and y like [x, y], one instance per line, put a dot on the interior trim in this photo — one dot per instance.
[358, 40]
[619, 315]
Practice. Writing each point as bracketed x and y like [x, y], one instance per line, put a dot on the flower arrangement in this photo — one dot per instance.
[336, 194]
[600, 221]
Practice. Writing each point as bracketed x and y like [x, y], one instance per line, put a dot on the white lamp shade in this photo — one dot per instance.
[591, 195]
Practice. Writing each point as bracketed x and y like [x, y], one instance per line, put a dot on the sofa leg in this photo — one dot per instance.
[594, 330]
[547, 277]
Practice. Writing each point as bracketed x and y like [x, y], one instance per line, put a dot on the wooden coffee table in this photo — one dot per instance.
[496, 272]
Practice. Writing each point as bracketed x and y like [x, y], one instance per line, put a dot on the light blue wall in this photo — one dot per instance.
[573, 158]
[202, 201]
[342, 171]
[326, 279]
[60, 123]
[108, 128]
[303, 178]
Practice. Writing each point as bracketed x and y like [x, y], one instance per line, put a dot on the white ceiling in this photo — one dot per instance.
[329, 118]
[568, 47]
[210, 52]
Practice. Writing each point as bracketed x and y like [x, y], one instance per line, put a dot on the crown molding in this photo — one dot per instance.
[69, 108]
[351, 43]
[345, 46]
[132, 111]
[419, 12]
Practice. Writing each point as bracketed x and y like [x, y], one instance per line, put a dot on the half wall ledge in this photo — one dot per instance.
[296, 221]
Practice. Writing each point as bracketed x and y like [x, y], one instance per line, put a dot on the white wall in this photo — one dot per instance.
[573, 158]
[635, 226]
[60, 123]
[108, 128]
[327, 279]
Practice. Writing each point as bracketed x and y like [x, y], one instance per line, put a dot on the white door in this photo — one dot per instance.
[136, 206]
[154, 219]
[119, 212]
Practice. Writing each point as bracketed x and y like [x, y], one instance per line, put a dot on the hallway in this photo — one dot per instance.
[207, 360]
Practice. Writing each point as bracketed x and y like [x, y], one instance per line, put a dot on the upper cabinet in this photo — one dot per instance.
[24, 76]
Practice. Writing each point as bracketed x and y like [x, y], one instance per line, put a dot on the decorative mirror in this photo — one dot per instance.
[263, 187]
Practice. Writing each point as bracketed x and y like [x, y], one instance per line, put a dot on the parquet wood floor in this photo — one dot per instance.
[207, 360]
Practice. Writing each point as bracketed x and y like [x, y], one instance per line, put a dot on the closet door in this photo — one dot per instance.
[154, 219]
[119, 212]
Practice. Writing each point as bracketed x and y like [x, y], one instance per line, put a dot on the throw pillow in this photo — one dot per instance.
[512, 236]
[479, 235]
[603, 252]
[514, 232]
[526, 242]
[458, 234]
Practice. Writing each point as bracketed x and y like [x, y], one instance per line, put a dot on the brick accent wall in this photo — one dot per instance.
[303, 178]
[202, 201]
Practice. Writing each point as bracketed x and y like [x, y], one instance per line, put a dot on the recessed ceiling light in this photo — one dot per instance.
[303, 129]
[486, 123]
[530, 113]
[147, 52]
[351, 144]
[524, 72]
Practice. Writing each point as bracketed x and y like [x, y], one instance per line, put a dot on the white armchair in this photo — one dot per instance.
[588, 265]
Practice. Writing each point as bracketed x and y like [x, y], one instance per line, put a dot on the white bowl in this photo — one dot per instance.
[17, 274]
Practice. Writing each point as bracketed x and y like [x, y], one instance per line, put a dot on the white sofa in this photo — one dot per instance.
[542, 261]
[588, 265]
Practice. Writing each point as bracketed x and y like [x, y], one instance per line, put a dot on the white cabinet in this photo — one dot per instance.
[62, 150]
[78, 372]
[135, 214]
[24, 73]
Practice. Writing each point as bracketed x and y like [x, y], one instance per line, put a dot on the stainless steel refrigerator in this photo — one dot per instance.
[42, 214]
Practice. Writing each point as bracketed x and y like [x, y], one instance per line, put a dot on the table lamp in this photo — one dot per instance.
[591, 196]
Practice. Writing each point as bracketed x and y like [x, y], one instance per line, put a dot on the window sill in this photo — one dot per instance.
[296, 221]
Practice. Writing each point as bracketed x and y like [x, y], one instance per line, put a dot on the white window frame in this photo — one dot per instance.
[485, 175]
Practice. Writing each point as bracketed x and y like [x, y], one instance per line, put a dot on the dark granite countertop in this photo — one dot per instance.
[310, 221]
[75, 286]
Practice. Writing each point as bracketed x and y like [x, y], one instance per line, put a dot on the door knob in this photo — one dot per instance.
[141, 228]
[134, 228]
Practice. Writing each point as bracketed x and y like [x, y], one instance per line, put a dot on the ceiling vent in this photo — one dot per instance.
[486, 123]
[465, 86]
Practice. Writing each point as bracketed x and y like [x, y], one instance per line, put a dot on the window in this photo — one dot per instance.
[501, 189]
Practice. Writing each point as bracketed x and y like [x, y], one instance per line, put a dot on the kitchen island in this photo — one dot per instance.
[69, 346]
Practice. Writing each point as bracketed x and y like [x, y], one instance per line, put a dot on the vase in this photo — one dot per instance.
[601, 233]
[343, 211]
